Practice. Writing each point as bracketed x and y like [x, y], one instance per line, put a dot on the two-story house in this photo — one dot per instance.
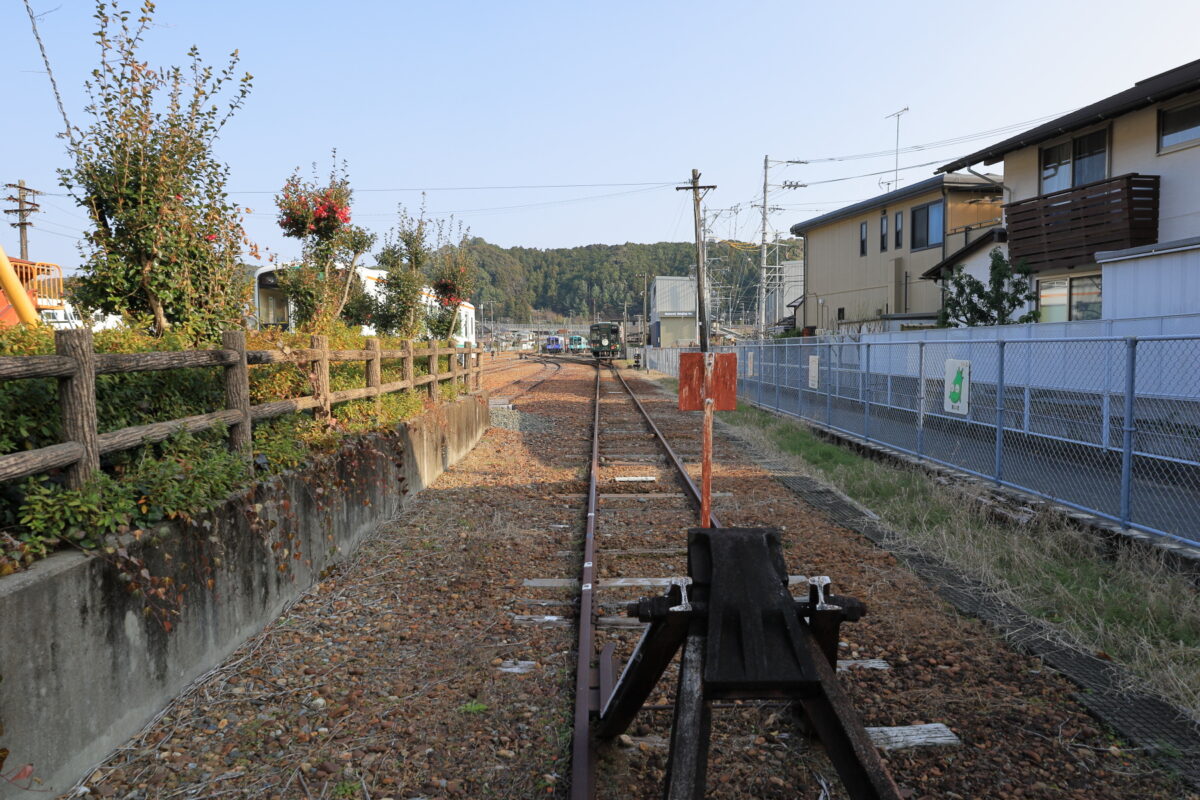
[863, 263]
[1104, 203]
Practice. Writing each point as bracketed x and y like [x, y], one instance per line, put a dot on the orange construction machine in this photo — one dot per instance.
[29, 288]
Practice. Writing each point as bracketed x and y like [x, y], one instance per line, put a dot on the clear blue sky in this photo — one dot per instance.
[451, 94]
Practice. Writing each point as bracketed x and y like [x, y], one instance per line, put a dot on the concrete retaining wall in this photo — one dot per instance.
[83, 667]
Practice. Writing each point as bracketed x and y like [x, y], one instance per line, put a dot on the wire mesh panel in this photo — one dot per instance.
[1108, 425]
[1164, 480]
[892, 393]
[1061, 440]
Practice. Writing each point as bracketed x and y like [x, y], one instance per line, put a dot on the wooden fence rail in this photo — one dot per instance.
[76, 366]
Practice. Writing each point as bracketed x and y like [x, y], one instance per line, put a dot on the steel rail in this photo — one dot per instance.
[535, 384]
[582, 773]
[675, 459]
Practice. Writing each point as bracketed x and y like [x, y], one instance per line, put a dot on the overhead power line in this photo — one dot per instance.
[802, 185]
[914, 148]
[486, 188]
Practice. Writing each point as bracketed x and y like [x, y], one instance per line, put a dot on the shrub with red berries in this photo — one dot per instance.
[318, 211]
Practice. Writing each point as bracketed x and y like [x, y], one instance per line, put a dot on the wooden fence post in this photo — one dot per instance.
[454, 366]
[237, 393]
[320, 376]
[409, 367]
[375, 370]
[477, 364]
[434, 394]
[77, 402]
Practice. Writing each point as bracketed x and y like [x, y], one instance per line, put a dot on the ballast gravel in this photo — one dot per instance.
[405, 674]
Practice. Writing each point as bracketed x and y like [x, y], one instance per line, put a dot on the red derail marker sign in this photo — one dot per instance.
[691, 381]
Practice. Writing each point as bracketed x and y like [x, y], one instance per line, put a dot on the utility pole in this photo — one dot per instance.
[762, 258]
[698, 193]
[769, 279]
[25, 207]
[645, 276]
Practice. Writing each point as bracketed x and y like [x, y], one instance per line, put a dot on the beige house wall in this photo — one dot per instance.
[1133, 147]
[883, 282]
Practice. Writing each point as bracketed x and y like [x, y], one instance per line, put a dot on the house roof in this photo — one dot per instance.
[996, 235]
[1153, 90]
[950, 182]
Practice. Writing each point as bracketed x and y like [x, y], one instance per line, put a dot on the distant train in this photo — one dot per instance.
[576, 344]
[605, 339]
[553, 344]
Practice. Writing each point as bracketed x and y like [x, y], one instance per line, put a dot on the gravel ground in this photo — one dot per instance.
[404, 673]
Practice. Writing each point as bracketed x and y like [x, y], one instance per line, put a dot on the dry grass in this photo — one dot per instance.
[1121, 602]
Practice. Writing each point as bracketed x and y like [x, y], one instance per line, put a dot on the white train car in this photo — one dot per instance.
[272, 308]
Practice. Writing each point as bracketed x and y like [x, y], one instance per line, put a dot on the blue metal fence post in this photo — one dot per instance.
[775, 354]
[864, 392]
[921, 398]
[998, 461]
[829, 383]
[1127, 431]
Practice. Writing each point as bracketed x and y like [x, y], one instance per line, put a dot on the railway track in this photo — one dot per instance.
[640, 502]
[632, 464]
[550, 367]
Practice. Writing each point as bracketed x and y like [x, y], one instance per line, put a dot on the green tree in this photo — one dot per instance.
[1009, 288]
[452, 278]
[405, 255]
[165, 239]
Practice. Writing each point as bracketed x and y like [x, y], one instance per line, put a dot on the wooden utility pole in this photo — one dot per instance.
[25, 207]
[698, 193]
[645, 276]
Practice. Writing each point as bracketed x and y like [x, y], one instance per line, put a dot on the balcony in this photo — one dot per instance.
[1067, 228]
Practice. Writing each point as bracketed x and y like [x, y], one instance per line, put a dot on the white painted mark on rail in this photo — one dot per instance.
[567, 583]
[930, 734]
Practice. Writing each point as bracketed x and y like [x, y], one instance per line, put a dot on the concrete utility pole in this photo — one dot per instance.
[698, 193]
[25, 207]
[762, 259]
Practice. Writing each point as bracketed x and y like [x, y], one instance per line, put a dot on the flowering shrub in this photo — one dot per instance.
[319, 216]
[307, 210]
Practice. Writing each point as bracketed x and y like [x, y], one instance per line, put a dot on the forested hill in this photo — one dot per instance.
[567, 280]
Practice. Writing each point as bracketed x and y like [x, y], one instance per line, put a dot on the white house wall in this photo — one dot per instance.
[1133, 147]
[1165, 283]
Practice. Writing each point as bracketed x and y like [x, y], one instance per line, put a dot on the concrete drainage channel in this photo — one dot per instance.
[1144, 720]
[78, 628]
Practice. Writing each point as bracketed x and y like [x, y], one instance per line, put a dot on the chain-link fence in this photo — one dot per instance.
[1110, 426]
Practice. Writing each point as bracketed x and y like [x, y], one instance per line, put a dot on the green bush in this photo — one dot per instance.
[187, 473]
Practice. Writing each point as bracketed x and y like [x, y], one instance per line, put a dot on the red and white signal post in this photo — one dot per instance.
[708, 383]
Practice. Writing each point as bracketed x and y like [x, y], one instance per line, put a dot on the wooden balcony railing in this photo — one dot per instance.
[1067, 228]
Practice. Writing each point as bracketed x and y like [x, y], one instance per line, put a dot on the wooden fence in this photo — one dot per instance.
[76, 366]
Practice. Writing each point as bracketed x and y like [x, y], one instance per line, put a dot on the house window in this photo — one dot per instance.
[883, 239]
[841, 314]
[1081, 160]
[862, 239]
[1069, 299]
[1178, 126]
[928, 225]
[899, 229]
